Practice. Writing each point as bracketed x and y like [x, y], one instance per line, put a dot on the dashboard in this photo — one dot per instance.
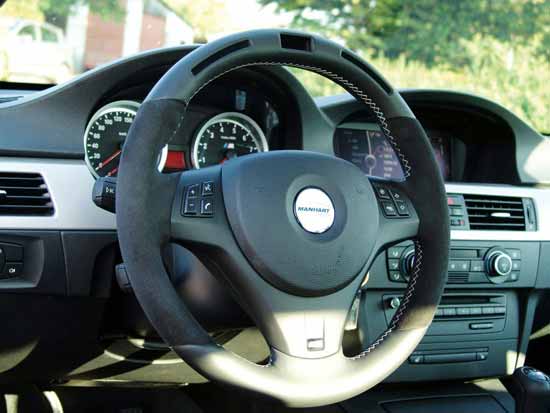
[66, 300]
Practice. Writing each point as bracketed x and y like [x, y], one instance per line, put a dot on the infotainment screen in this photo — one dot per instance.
[369, 150]
[441, 150]
[365, 145]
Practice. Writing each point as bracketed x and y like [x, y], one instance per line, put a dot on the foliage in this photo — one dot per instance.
[499, 49]
[429, 31]
[206, 16]
[56, 11]
[520, 83]
[25, 9]
[108, 9]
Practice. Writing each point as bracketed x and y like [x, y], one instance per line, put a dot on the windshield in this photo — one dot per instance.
[497, 49]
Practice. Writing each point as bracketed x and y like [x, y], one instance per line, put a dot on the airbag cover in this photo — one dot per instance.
[260, 194]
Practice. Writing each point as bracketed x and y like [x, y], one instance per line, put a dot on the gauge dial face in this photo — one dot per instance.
[227, 136]
[105, 136]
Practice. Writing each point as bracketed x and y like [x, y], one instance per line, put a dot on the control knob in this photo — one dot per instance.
[498, 265]
[407, 262]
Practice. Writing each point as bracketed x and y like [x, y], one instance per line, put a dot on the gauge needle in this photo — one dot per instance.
[109, 159]
[114, 171]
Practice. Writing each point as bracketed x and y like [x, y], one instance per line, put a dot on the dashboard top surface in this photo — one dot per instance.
[479, 144]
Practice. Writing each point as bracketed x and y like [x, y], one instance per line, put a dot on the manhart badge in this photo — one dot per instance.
[314, 210]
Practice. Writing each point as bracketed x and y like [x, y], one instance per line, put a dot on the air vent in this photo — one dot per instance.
[6, 99]
[500, 213]
[24, 194]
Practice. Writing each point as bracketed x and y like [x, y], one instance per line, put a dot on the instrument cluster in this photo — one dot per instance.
[226, 123]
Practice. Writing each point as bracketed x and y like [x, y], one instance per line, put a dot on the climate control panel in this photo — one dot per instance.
[467, 264]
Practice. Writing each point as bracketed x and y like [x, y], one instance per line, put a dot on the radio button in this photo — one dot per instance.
[476, 266]
[500, 310]
[449, 312]
[462, 311]
[12, 269]
[515, 254]
[516, 265]
[393, 265]
[389, 208]
[459, 266]
[396, 276]
[382, 192]
[193, 191]
[488, 310]
[402, 208]
[475, 310]
[395, 252]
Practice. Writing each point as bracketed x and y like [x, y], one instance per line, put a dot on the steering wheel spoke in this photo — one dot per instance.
[302, 327]
[398, 218]
[198, 213]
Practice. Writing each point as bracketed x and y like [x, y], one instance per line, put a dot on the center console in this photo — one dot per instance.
[482, 324]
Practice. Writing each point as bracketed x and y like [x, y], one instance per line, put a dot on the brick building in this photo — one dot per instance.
[146, 24]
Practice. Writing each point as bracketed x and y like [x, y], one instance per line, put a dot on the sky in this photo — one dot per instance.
[248, 14]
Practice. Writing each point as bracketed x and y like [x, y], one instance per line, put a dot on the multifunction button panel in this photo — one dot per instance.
[458, 217]
[11, 260]
[393, 203]
[466, 264]
[198, 200]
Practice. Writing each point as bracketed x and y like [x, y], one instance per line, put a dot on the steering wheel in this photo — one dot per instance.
[293, 233]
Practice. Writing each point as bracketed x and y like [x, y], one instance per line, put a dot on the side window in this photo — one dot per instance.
[48, 35]
[28, 32]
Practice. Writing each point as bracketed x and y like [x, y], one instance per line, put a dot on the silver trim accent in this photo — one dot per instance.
[541, 199]
[503, 257]
[70, 186]
[240, 119]
[128, 106]
[501, 214]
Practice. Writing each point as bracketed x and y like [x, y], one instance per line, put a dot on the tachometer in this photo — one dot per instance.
[105, 136]
[226, 136]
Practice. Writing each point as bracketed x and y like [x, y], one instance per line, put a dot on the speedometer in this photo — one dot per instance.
[226, 136]
[105, 136]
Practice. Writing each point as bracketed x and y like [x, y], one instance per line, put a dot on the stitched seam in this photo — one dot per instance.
[356, 91]
[419, 255]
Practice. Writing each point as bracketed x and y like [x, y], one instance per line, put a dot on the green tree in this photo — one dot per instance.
[430, 31]
[206, 16]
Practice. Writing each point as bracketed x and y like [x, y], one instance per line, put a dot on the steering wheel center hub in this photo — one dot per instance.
[306, 222]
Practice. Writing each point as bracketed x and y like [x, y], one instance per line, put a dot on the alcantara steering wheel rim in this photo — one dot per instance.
[295, 284]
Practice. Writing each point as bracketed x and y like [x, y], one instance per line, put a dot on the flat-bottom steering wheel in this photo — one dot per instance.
[292, 232]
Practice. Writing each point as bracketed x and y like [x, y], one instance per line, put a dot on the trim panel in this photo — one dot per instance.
[70, 185]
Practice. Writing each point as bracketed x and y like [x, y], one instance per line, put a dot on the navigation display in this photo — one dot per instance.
[366, 146]
[370, 151]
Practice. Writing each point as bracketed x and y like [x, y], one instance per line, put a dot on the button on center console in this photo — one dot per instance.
[480, 265]
[11, 260]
